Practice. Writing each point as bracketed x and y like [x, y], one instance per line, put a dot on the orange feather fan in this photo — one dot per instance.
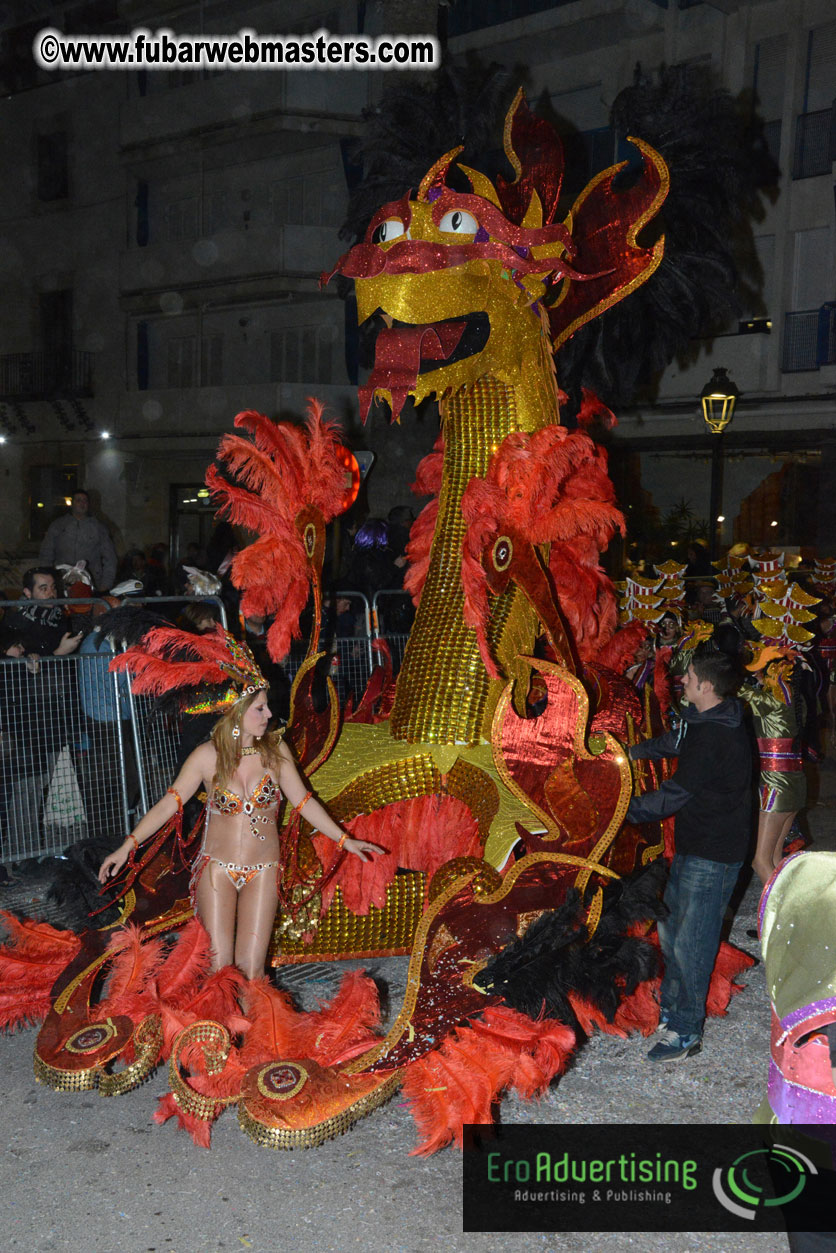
[277, 473]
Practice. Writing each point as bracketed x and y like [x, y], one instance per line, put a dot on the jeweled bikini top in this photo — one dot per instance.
[264, 795]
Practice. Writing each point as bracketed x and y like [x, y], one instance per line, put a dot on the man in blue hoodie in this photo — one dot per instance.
[711, 795]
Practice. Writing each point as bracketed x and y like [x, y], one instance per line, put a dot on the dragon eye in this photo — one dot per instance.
[386, 231]
[457, 222]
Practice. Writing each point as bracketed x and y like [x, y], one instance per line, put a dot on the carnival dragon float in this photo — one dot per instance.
[524, 902]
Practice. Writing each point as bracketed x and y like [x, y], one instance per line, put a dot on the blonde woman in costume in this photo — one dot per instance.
[246, 770]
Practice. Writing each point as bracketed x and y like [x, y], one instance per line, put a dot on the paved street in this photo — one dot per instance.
[85, 1173]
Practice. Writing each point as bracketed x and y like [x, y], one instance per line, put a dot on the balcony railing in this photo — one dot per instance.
[809, 339]
[815, 144]
[470, 15]
[46, 375]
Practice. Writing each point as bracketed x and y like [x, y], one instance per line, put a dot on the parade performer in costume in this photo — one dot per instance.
[246, 770]
[826, 649]
[782, 786]
[795, 923]
[474, 283]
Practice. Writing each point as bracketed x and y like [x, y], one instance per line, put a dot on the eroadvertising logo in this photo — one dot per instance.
[741, 1194]
[636, 1177]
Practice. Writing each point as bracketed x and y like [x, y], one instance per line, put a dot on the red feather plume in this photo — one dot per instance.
[30, 962]
[619, 652]
[130, 989]
[460, 1081]
[343, 1028]
[168, 658]
[427, 483]
[730, 963]
[550, 487]
[279, 471]
[272, 1022]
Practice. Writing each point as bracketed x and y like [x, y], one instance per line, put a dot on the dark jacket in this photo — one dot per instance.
[711, 790]
[39, 627]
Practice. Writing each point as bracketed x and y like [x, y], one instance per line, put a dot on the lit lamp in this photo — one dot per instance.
[718, 399]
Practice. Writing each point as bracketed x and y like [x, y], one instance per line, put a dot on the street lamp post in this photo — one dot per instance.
[718, 398]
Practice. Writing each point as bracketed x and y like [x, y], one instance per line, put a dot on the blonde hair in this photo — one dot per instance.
[228, 746]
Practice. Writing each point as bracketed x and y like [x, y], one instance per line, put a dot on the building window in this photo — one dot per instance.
[50, 492]
[182, 219]
[315, 199]
[211, 360]
[303, 354]
[815, 148]
[53, 166]
[800, 341]
[181, 361]
[814, 134]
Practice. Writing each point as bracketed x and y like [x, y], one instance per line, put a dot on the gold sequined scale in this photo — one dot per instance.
[444, 694]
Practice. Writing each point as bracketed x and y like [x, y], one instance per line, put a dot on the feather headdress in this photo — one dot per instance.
[221, 668]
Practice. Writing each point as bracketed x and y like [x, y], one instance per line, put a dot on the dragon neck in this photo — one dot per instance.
[444, 694]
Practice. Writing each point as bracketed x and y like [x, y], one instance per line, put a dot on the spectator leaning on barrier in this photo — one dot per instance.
[36, 703]
[78, 536]
[42, 629]
[101, 753]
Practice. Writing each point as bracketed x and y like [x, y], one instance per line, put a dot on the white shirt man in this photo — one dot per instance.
[77, 536]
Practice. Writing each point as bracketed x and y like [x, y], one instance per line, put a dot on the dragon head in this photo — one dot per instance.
[468, 284]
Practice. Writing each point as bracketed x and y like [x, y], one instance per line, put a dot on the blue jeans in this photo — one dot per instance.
[697, 893]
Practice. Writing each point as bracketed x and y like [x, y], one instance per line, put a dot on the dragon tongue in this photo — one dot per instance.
[398, 356]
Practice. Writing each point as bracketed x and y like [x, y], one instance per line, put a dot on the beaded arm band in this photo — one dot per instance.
[297, 809]
[172, 791]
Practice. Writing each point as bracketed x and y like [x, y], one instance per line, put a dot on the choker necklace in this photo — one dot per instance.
[250, 751]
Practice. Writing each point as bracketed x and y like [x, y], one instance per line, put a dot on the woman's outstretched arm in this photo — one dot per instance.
[293, 786]
[198, 766]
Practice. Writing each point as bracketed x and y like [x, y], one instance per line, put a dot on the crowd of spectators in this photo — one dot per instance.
[663, 648]
[60, 747]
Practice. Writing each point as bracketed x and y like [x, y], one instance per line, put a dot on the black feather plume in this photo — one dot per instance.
[556, 955]
[414, 125]
[719, 166]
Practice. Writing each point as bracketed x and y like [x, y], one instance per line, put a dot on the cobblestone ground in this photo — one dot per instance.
[83, 1173]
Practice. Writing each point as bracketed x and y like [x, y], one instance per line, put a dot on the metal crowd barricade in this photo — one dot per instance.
[392, 611]
[156, 743]
[81, 757]
[63, 603]
[64, 767]
[154, 601]
[351, 656]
